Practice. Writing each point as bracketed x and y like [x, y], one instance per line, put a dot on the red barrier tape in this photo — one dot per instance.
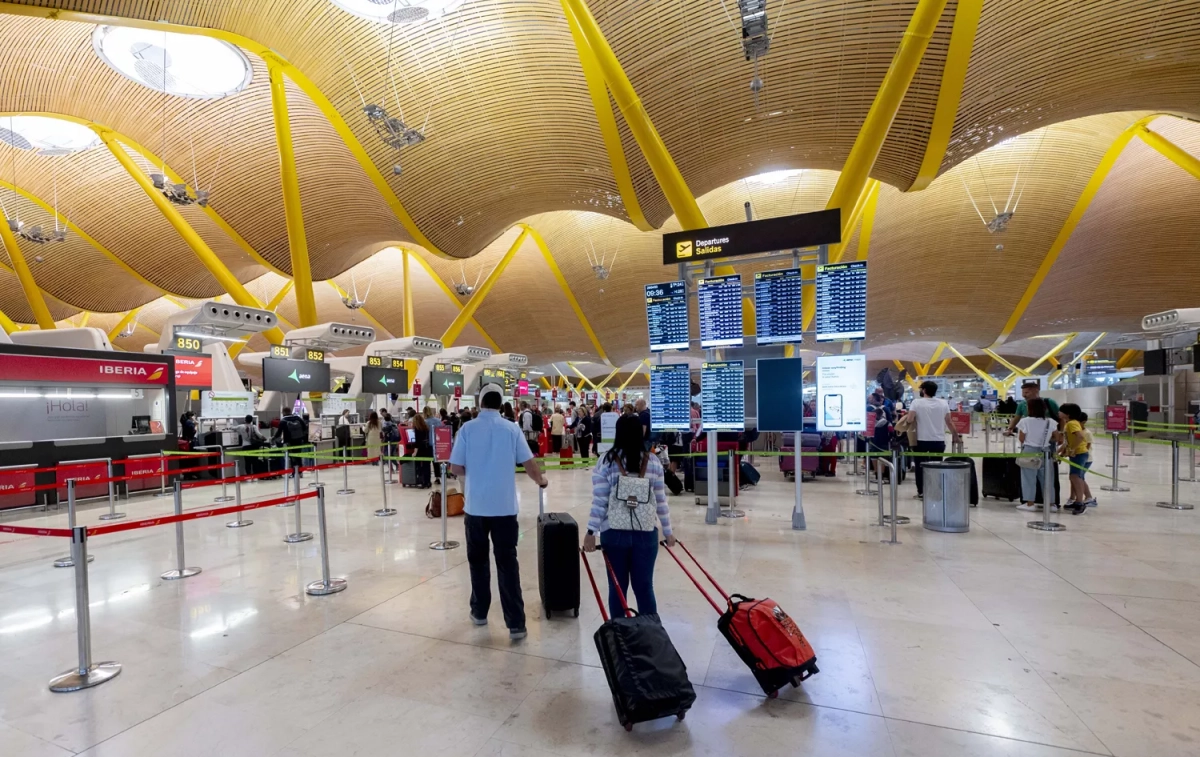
[195, 515]
[36, 531]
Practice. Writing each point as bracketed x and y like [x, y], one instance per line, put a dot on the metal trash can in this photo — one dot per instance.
[947, 495]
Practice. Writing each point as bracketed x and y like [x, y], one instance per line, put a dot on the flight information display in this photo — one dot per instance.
[777, 315]
[670, 397]
[723, 396]
[842, 302]
[667, 316]
[720, 300]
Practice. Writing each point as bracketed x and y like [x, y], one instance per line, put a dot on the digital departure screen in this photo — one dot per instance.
[777, 316]
[281, 375]
[667, 316]
[670, 397]
[720, 311]
[723, 396]
[842, 302]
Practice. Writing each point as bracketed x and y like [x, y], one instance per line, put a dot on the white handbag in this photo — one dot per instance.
[1033, 463]
[630, 505]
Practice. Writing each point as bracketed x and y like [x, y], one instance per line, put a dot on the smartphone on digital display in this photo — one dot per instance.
[833, 410]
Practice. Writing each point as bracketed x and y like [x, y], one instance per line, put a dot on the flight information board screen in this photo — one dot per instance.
[842, 302]
[670, 397]
[723, 396]
[720, 300]
[667, 316]
[777, 315]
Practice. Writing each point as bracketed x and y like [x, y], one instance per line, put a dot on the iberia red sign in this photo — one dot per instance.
[81, 371]
[193, 371]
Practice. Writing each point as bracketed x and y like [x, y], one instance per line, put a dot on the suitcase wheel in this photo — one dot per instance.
[628, 727]
[773, 695]
[680, 715]
[576, 612]
[547, 615]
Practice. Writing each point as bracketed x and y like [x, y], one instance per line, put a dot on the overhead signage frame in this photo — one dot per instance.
[823, 227]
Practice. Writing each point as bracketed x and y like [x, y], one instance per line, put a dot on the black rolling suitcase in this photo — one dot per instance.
[672, 481]
[558, 573]
[645, 673]
[408, 474]
[1001, 476]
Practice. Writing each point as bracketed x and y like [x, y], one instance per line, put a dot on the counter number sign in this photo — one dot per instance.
[316, 356]
[188, 344]
[280, 350]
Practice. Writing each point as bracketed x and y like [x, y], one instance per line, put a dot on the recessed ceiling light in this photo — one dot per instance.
[185, 65]
[398, 11]
[46, 136]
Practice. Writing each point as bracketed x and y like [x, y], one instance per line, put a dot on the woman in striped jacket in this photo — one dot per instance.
[628, 532]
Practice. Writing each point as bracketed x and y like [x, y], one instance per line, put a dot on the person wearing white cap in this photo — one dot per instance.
[484, 455]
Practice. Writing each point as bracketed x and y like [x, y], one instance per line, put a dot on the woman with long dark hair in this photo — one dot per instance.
[629, 503]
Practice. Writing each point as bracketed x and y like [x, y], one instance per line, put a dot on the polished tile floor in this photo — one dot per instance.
[1002, 641]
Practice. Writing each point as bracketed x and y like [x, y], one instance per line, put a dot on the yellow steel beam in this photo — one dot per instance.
[546, 381]
[33, 295]
[1171, 151]
[937, 353]
[868, 219]
[942, 368]
[954, 74]
[1052, 353]
[993, 381]
[306, 304]
[1073, 218]
[580, 374]
[608, 378]
[204, 253]
[836, 251]
[83, 322]
[1054, 363]
[679, 197]
[1127, 359]
[464, 316]
[566, 289]
[607, 123]
[900, 366]
[451, 296]
[633, 373]
[8, 324]
[297, 76]
[1091, 345]
[1019, 371]
[410, 323]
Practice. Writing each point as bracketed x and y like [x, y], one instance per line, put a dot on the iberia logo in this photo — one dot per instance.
[132, 371]
[158, 372]
[683, 249]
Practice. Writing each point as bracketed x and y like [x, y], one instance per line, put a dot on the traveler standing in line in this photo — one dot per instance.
[249, 438]
[1087, 435]
[526, 422]
[583, 431]
[558, 425]
[421, 448]
[507, 412]
[628, 534]
[933, 420]
[1036, 432]
[433, 422]
[486, 452]
[643, 414]
[1031, 390]
[1076, 449]
[374, 432]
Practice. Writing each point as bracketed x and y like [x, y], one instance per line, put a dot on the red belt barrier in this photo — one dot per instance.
[195, 515]
[36, 531]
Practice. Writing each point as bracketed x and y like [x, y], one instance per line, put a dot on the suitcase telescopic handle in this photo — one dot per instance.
[541, 500]
[595, 588]
[688, 573]
[612, 576]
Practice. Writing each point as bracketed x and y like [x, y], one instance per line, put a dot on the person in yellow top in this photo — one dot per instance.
[1078, 450]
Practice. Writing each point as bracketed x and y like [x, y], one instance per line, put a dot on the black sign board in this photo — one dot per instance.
[377, 380]
[443, 382]
[751, 237]
[280, 375]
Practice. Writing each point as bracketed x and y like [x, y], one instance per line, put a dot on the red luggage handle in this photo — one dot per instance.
[596, 589]
[688, 573]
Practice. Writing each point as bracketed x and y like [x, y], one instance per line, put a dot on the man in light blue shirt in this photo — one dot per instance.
[484, 455]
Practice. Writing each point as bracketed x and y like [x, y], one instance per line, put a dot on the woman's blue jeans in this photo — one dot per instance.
[632, 555]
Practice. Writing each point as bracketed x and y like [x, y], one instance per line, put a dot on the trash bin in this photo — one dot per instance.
[947, 495]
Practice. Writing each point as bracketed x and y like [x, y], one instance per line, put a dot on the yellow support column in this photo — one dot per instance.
[1127, 359]
[464, 316]
[1019, 371]
[203, 252]
[410, 324]
[306, 303]
[33, 295]
[580, 374]
[121, 324]
[607, 378]
[633, 373]
[566, 288]
[1171, 151]
[8, 324]
[942, 368]
[991, 380]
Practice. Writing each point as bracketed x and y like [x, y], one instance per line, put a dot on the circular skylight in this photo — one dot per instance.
[46, 136]
[399, 11]
[185, 65]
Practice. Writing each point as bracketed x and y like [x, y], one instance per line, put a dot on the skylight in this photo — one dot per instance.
[184, 65]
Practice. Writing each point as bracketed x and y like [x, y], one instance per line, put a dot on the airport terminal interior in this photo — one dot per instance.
[893, 301]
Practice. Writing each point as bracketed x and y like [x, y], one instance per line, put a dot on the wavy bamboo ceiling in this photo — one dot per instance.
[512, 137]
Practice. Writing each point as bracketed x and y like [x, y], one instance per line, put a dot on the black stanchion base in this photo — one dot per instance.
[1114, 488]
[72, 680]
[345, 491]
[1038, 525]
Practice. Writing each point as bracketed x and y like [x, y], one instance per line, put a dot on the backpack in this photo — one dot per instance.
[537, 421]
[293, 430]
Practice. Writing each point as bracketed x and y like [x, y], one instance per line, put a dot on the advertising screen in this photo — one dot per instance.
[842, 393]
[667, 316]
[670, 397]
[376, 380]
[779, 394]
[842, 302]
[281, 375]
[720, 300]
[777, 311]
[723, 396]
[193, 372]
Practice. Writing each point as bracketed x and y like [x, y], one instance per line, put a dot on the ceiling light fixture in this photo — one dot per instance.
[352, 301]
[755, 41]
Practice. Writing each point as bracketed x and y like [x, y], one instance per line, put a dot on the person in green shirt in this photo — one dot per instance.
[1030, 390]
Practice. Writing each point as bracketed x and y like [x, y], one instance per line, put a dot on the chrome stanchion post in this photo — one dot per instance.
[221, 471]
[237, 496]
[316, 469]
[714, 481]
[1132, 443]
[346, 472]
[290, 475]
[87, 673]
[798, 521]
[866, 491]
[879, 489]
[893, 519]
[1174, 504]
[1116, 477]
[69, 560]
[180, 571]
[326, 585]
[1191, 461]
[1048, 487]
[384, 511]
[733, 512]
[445, 544]
[162, 479]
[112, 513]
[300, 534]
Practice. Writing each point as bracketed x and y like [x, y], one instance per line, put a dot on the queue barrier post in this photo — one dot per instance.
[798, 521]
[445, 543]
[346, 473]
[733, 512]
[316, 468]
[384, 511]
[1175, 504]
[867, 472]
[326, 585]
[1191, 461]
[86, 673]
[162, 478]
[1132, 443]
[180, 560]
[1048, 487]
[712, 514]
[300, 534]
[1115, 486]
[241, 521]
[221, 472]
[893, 519]
[112, 513]
[69, 560]
[290, 474]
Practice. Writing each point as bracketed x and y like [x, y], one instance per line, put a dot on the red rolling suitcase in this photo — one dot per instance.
[767, 640]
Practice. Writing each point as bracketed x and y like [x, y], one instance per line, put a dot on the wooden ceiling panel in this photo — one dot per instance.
[14, 305]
